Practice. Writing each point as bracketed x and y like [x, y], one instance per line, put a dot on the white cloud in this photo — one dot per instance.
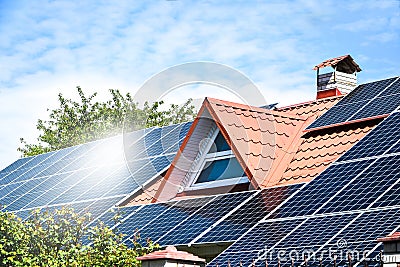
[50, 47]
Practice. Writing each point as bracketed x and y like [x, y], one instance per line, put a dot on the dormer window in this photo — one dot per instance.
[219, 166]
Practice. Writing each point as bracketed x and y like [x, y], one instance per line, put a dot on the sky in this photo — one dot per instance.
[50, 47]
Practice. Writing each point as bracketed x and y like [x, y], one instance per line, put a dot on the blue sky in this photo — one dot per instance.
[48, 47]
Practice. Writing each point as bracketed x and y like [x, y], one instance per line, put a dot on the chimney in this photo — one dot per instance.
[341, 81]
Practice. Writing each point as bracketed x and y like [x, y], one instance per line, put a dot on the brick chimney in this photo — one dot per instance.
[341, 81]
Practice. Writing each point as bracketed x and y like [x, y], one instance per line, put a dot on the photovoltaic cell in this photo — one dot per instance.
[390, 198]
[341, 232]
[93, 175]
[393, 89]
[378, 106]
[258, 207]
[131, 224]
[257, 242]
[172, 217]
[321, 189]
[205, 217]
[338, 114]
[378, 141]
[367, 100]
[114, 215]
[367, 91]
[364, 190]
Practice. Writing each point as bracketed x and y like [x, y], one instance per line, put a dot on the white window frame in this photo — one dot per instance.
[210, 157]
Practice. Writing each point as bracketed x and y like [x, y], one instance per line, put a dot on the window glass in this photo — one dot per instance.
[390, 247]
[220, 170]
[220, 144]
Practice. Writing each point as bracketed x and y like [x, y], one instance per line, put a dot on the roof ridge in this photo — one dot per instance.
[252, 108]
[311, 102]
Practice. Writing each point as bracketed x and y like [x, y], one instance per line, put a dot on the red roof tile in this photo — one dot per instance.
[316, 153]
[393, 237]
[171, 253]
[272, 145]
[145, 195]
[260, 138]
[335, 61]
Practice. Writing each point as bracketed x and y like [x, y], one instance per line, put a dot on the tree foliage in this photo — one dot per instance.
[77, 122]
[55, 238]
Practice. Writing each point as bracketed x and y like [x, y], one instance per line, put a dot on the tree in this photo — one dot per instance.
[77, 122]
[55, 238]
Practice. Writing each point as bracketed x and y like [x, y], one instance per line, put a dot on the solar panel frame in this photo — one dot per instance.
[363, 102]
[246, 216]
[177, 214]
[368, 186]
[51, 176]
[310, 198]
[381, 140]
[204, 218]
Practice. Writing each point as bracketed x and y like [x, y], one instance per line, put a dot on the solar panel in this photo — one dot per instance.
[175, 215]
[256, 243]
[351, 202]
[258, 207]
[313, 237]
[369, 185]
[337, 114]
[378, 106]
[113, 216]
[378, 141]
[321, 189]
[367, 91]
[393, 89]
[133, 222]
[204, 218]
[93, 176]
[367, 100]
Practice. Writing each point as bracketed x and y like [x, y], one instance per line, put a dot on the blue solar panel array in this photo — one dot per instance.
[348, 206]
[366, 101]
[194, 221]
[93, 176]
[351, 204]
[386, 135]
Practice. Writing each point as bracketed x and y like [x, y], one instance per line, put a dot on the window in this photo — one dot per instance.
[219, 167]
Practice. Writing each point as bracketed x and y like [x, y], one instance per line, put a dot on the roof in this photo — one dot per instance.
[317, 151]
[393, 237]
[145, 194]
[260, 138]
[171, 253]
[272, 145]
[344, 63]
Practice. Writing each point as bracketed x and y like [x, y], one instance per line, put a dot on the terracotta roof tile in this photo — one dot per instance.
[335, 61]
[145, 196]
[317, 152]
[171, 253]
[259, 137]
[311, 108]
[393, 237]
[272, 145]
